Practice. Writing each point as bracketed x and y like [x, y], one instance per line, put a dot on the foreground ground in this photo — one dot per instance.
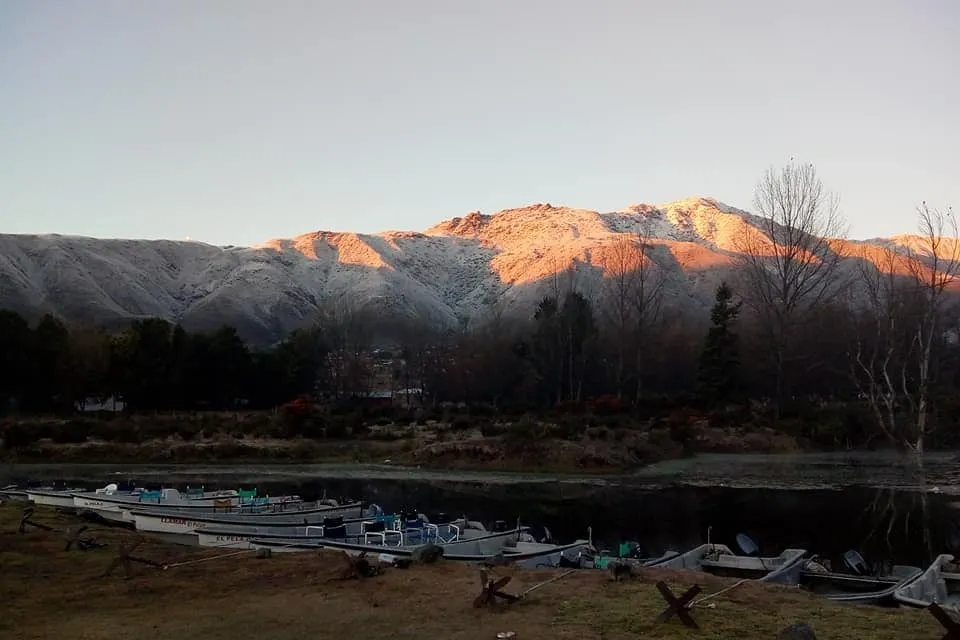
[47, 592]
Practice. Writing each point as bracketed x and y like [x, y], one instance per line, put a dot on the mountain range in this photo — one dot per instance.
[450, 274]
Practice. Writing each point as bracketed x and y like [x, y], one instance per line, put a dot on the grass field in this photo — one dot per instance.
[47, 592]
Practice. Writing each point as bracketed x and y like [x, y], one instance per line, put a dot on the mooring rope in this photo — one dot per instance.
[714, 595]
[217, 557]
[225, 555]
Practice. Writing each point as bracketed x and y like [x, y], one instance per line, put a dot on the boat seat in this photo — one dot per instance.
[333, 522]
[339, 532]
[374, 527]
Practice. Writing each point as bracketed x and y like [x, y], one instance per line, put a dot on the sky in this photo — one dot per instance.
[238, 121]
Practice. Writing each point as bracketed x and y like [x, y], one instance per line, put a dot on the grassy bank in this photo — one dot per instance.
[51, 593]
[549, 443]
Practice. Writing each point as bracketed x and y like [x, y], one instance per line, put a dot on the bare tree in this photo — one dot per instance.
[647, 301]
[619, 264]
[632, 300]
[791, 265]
[346, 329]
[900, 322]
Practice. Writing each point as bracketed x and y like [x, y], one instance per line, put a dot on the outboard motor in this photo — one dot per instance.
[547, 536]
[855, 562]
[747, 546]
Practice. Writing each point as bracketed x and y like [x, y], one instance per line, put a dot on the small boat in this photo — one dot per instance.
[112, 504]
[374, 527]
[188, 522]
[720, 560]
[857, 586]
[515, 546]
[629, 553]
[12, 493]
[939, 583]
[51, 497]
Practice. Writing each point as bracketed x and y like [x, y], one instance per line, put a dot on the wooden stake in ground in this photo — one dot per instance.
[679, 607]
[490, 589]
[948, 623]
[27, 521]
[124, 558]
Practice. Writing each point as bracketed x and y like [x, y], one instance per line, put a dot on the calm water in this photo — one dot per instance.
[824, 503]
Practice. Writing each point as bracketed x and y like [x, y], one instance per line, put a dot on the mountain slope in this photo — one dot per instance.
[453, 272]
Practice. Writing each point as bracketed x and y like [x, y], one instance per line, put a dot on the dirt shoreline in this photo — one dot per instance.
[208, 594]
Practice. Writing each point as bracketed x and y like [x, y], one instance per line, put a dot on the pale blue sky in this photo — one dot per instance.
[236, 121]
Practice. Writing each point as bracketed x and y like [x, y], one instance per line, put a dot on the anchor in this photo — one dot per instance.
[948, 623]
[124, 558]
[679, 607]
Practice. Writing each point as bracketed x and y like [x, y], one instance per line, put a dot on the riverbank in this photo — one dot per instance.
[576, 444]
[51, 593]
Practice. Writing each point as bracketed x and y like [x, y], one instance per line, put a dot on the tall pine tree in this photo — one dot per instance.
[718, 378]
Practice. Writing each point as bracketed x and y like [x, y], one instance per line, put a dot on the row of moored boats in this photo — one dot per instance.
[239, 519]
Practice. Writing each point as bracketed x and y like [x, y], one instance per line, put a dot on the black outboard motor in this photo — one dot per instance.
[855, 562]
[747, 546]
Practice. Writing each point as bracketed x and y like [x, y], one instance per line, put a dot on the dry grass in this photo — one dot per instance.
[49, 593]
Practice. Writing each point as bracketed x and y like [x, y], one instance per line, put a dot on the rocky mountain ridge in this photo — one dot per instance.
[447, 275]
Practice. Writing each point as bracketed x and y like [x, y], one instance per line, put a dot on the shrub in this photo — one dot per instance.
[338, 428]
[461, 423]
[598, 433]
[18, 436]
[483, 410]
[490, 429]
[71, 432]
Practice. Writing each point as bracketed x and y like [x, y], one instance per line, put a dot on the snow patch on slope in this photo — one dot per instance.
[449, 274]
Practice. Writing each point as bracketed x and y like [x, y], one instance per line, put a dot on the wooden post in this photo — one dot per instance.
[947, 622]
[679, 607]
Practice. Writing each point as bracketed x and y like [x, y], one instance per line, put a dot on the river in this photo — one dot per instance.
[827, 503]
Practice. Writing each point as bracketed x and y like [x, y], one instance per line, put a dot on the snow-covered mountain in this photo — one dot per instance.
[453, 272]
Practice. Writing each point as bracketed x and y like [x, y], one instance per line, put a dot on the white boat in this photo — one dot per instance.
[939, 583]
[13, 494]
[188, 524]
[719, 559]
[373, 526]
[470, 542]
[173, 498]
[118, 506]
[57, 498]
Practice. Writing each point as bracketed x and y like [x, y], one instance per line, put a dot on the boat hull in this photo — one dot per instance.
[853, 589]
[938, 584]
[56, 499]
[352, 531]
[720, 560]
[187, 524]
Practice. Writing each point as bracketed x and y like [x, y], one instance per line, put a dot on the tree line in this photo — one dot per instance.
[806, 320]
